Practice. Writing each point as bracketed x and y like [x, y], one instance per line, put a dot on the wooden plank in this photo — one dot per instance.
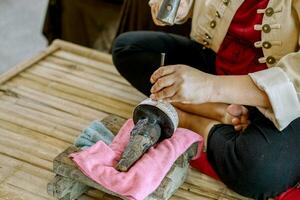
[20, 180]
[27, 123]
[34, 105]
[83, 51]
[28, 145]
[79, 92]
[22, 66]
[98, 72]
[25, 157]
[187, 195]
[45, 118]
[91, 86]
[39, 136]
[10, 192]
[97, 194]
[41, 118]
[76, 58]
[32, 184]
[84, 101]
[209, 187]
[59, 103]
[91, 77]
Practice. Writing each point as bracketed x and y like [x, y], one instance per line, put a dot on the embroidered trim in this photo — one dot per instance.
[259, 44]
[258, 27]
[262, 11]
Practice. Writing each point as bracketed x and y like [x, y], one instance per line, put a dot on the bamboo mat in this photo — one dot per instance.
[46, 102]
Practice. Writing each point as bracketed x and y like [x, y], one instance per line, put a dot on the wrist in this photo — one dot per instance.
[220, 89]
[213, 88]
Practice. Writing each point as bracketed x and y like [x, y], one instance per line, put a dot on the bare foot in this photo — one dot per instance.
[237, 115]
[196, 123]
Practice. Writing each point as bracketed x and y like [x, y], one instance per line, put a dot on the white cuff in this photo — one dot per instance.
[282, 96]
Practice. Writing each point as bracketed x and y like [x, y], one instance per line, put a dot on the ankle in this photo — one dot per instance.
[182, 118]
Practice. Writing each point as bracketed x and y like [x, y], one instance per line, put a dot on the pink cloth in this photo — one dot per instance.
[98, 161]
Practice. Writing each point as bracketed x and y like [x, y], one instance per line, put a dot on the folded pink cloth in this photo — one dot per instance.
[98, 162]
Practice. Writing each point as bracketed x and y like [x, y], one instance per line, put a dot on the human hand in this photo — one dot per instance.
[154, 5]
[181, 83]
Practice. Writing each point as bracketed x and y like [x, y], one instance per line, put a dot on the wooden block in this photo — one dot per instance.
[65, 167]
[65, 188]
[113, 123]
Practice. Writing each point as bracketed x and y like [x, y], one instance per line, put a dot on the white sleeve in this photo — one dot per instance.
[281, 92]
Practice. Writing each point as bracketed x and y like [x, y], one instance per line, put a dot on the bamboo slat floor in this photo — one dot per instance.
[46, 101]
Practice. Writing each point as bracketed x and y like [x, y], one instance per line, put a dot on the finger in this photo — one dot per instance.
[244, 119]
[244, 127]
[175, 98]
[160, 72]
[235, 121]
[165, 93]
[163, 82]
[238, 127]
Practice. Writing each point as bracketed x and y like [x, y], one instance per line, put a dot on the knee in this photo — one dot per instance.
[128, 42]
[124, 48]
[249, 163]
[120, 47]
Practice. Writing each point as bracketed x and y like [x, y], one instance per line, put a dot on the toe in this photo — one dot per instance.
[235, 121]
[244, 119]
[238, 127]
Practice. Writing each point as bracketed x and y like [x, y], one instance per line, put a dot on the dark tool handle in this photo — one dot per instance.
[168, 11]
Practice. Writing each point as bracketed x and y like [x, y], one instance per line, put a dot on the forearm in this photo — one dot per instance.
[238, 90]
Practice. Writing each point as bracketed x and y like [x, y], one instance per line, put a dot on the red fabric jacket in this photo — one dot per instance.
[237, 54]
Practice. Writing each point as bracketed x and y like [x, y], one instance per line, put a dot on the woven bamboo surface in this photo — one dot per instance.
[45, 103]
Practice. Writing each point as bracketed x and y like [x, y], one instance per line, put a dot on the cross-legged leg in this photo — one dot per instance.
[259, 163]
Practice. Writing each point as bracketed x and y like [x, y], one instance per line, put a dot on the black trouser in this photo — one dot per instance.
[259, 163]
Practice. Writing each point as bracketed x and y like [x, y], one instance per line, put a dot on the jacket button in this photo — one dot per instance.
[205, 43]
[207, 36]
[213, 24]
[267, 45]
[269, 11]
[270, 60]
[266, 28]
[226, 2]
